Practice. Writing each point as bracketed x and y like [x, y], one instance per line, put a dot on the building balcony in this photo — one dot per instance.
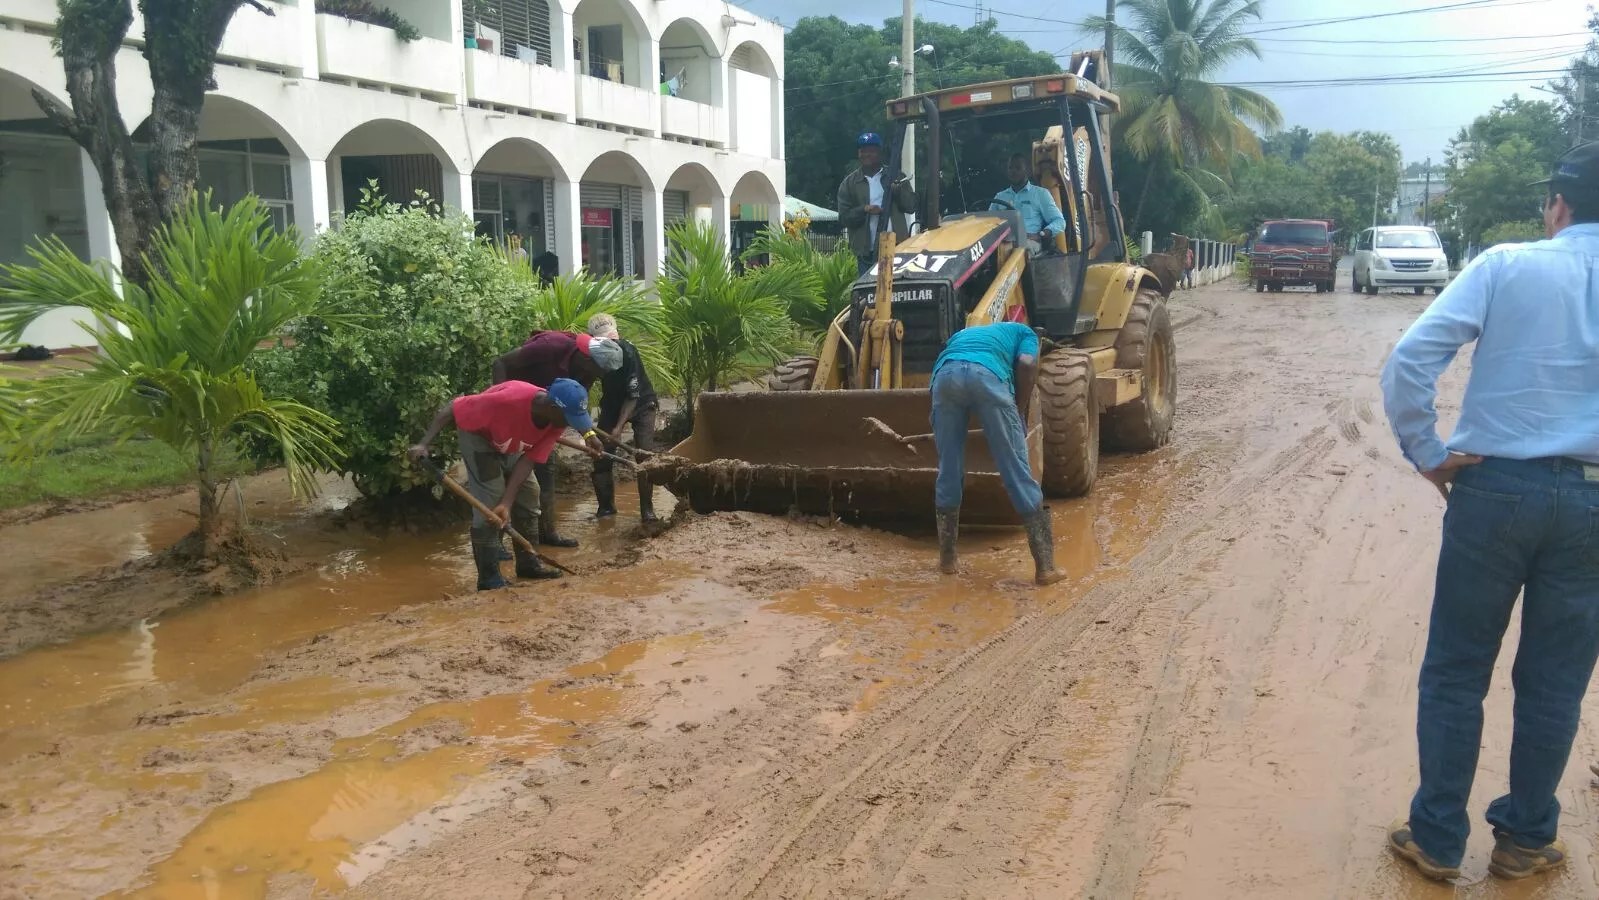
[498, 80]
[700, 122]
[38, 13]
[273, 40]
[374, 54]
[621, 105]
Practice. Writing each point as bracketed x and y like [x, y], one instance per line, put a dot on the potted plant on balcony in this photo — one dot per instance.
[370, 13]
[482, 37]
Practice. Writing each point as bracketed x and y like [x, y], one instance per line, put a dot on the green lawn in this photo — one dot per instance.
[97, 468]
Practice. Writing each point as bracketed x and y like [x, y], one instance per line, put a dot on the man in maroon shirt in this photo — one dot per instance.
[546, 356]
[504, 432]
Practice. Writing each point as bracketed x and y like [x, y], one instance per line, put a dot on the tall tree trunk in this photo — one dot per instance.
[181, 39]
[1143, 195]
[208, 496]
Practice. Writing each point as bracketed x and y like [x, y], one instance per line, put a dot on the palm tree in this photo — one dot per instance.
[1169, 110]
[719, 327]
[829, 276]
[173, 352]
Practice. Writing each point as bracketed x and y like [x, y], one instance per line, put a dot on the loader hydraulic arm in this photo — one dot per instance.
[880, 357]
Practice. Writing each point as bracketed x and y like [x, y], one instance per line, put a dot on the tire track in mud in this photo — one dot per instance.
[854, 820]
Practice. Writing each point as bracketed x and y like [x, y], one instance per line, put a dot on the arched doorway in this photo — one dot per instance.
[514, 197]
[619, 218]
[756, 206]
[755, 102]
[400, 158]
[692, 194]
[692, 85]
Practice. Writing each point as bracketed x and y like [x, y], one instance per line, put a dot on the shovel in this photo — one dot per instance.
[878, 427]
[437, 474]
[585, 448]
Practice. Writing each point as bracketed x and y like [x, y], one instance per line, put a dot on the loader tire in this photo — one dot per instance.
[1146, 344]
[1070, 413]
[798, 374]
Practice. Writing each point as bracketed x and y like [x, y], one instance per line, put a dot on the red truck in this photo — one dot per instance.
[1291, 252]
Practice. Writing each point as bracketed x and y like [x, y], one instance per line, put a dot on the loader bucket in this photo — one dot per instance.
[770, 452]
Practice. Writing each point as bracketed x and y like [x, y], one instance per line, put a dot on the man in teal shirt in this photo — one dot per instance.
[988, 371]
[1041, 216]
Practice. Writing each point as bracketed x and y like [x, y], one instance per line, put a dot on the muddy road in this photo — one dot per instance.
[1218, 704]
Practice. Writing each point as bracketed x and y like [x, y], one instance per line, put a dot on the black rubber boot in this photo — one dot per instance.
[1041, 540]
[528, 565]
[604, 494]
[504, 555]
[486, 550]
[547, 533]
[646, 501]
[949, 523]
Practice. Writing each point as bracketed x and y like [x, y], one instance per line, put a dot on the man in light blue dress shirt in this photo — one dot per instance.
[1520, 476]
[1040, 214]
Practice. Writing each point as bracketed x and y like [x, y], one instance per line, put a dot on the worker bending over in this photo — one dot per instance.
[504, 432]
[629, 399]
[988, 371]
[545, 357]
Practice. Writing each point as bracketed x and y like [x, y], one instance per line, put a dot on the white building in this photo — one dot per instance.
[1416, 194]
[559, 127]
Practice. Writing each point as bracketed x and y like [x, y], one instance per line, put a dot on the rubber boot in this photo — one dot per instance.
[528, 565]
[949, 523]
[504, 554]
[486, 554]
[646, 501]
[547, 533]
[604, 494]
[1041, 540]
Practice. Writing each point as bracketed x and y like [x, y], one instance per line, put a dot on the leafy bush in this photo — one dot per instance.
[440, 306]
[718, 327]
[1513, 233]
[569, 302]
[372, 14]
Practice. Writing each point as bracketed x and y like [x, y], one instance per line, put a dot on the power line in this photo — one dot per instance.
[1317, 23]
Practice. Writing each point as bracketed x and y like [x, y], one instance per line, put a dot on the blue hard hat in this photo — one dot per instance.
[573, 400]
[869, 139]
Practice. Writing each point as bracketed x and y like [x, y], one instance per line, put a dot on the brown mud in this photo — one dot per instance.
[1217, 704]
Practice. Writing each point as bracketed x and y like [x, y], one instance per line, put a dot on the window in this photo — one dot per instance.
[1416, 239]
[1365, 240]
[1294, 233]
[232, 173]
[522, 28]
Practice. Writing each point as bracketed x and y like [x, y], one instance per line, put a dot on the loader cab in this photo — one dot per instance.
[969, 126]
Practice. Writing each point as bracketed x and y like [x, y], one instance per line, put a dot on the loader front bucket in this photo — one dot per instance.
[770, 452]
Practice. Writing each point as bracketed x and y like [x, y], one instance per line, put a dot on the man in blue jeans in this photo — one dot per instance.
[989, 371]
[1520, 476]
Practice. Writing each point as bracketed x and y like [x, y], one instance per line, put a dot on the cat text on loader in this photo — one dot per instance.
[1108, 374]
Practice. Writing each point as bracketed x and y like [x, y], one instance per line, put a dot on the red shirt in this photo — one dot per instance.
[504, 415]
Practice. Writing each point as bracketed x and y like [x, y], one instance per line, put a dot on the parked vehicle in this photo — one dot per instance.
[1291, 252]
[1399, 256]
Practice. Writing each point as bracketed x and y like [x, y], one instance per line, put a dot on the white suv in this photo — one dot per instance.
[1399, 256]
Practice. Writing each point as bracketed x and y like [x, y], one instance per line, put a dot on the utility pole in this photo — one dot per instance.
[907, 85]
[1426, 194]
[1375, 187]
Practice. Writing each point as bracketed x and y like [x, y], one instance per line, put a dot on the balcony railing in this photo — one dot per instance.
[372, 53]
[503, 81]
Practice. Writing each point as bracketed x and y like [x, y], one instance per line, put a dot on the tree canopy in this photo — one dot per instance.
[1492, 162]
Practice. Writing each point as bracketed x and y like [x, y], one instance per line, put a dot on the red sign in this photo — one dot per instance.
[596, 218]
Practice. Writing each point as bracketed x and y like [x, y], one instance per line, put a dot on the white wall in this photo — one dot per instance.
[752, 113]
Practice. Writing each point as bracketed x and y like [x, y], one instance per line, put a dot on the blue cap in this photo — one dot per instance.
[869, 139]
[573, 400]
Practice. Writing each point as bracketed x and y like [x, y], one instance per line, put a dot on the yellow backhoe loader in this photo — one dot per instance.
[1108, 373]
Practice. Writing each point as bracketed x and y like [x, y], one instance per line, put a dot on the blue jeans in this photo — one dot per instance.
[960, 390]
[1528, 527]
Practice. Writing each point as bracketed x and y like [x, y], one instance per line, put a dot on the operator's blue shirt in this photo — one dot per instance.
[1037, 206]
[994, 347]
[1533, 310]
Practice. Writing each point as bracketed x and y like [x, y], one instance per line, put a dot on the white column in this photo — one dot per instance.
[654, 232]
[777, 119]
[458, 191]
[567, 229]
[313, 211]
[716, 215]
[97, 219]
[335, 179]
[561, 57]
[652, 59]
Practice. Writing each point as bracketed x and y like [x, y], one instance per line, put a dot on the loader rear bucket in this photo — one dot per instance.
[770, 452]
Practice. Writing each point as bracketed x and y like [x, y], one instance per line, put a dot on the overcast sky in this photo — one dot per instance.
[1507, 46]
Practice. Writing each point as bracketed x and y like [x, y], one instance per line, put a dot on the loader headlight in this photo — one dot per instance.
[1021, 92]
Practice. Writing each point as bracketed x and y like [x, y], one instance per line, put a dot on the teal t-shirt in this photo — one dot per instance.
[994, 347]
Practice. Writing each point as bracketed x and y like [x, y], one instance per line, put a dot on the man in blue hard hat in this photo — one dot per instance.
[863, 195]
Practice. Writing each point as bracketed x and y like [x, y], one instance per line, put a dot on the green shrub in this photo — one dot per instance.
[438, 304]
[372, 14]
[1513, 233]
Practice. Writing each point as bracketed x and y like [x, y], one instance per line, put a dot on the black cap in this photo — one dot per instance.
[1577, 168]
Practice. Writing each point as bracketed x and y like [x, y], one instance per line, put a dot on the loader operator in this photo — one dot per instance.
[504, 432]
[629, 400]
[1041, 215]
[862, 196]
[547, 356]
[988, 371]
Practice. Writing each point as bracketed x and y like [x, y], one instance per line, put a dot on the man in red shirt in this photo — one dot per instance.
[504, 432]
[547, 356]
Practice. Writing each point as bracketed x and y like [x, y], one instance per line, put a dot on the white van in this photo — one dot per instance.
[1399, 256]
